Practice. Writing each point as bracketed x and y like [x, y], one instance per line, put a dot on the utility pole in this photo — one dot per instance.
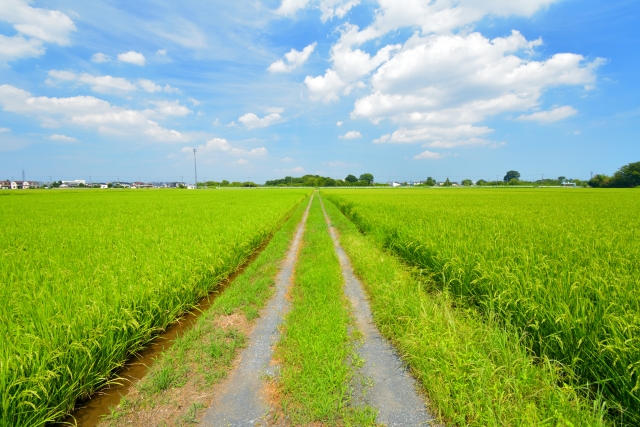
[195, 171]
[23, 174]
[591, 174]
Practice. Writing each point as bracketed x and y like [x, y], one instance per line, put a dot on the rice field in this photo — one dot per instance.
[87, 277]
[561, 266]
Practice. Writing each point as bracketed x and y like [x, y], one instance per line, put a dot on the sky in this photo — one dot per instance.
[402, 89]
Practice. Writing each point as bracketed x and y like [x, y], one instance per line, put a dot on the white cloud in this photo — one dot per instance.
[294, 59]
[195, 102]
[149, 86]
[35, 26]
[171, 108]
[216, 122]
[348, 66]
[221, 144]
[328, 8]
[438, 88]
[63, 138]
[17, 47]
[339, 124]
[278, 110]
[352, 134]
[162, 52]
[108, 84]
[132, 58]
[252, 121]
[550, 116]
[232, 124]
[86, 111]
[3, 130]
[428, 155]
[241, 162]
[100, 58]
[100, 84]
[169, 89]
[287, 160]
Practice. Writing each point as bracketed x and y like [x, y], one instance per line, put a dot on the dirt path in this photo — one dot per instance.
[240, 400]
[393, 392]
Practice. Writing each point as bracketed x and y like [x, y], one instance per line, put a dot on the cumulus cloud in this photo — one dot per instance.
[3, 130]
[297, 169]
[86, 111]
[132, 57]
[287, 160]
[339, 124]
[162, 52]
[252, 121]
[221, 144]
[349, 65]
[241, 162]
[100, 58]
[430, 155]
[35, 27]
[63, 138]
[294, 59]
[550, 116]
[441, 86]
[352, 134]
[441, 83]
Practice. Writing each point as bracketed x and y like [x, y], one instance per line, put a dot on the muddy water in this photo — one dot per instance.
[90, 412]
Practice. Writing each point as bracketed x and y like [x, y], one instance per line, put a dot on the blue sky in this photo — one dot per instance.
[263, 89]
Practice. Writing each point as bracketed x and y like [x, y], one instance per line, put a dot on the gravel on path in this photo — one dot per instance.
[393, 392]
[240, 401]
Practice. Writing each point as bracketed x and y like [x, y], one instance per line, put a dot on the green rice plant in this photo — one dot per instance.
[95, 275]
[560, 266]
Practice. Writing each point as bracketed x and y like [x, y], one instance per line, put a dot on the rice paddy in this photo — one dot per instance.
[87, 278]
[560, 267]
[511, 307]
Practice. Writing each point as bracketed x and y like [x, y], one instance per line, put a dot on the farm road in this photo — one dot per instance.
[240, 401]
[393, 392]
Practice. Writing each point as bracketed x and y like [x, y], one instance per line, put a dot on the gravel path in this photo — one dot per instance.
[393, 392]
[240, 401]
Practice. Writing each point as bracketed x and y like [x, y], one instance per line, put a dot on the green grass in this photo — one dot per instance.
[473, 370]
[315, 345]
[559, 265]
[96, 275]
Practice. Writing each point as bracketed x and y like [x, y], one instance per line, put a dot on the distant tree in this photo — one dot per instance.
[430, 182]
[350, 178]
[627, 176]
[514, 181]
[562, 179]
[599, 181]
[224, 183]
[447, 183]
[367, 177]
[329, 182]
[511, 175]
[481, 182]
[467, 182]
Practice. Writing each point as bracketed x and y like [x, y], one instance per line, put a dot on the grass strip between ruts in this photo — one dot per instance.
[473, 372]
[315, 345]
[204, 354]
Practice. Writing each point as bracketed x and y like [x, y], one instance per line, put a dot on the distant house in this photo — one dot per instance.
[104, 185]
[396, 184]
[568, 184]
[17, 185]
[5, 185]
